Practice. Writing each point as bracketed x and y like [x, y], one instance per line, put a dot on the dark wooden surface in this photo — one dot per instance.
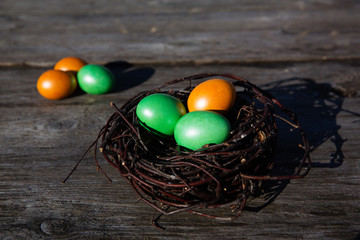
[307, 53]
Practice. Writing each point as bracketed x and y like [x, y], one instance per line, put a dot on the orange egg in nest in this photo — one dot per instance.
[70, 64]
[212, 95]
[56, 84]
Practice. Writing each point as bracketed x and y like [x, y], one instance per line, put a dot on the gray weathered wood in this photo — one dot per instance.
[41, 140]
[41, 32]
[304, 52]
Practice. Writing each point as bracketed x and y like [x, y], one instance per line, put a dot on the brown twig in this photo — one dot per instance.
[173, 179]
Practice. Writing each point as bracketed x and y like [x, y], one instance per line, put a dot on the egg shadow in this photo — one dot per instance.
[317, 106]
[127, 75]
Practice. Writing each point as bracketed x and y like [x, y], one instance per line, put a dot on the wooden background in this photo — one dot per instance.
[307, 53]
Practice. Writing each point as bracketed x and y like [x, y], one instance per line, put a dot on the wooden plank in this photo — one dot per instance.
[38, 33]
[41, 140]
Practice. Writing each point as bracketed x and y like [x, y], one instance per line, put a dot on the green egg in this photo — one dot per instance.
[195, 129]
[160, 112]
[95, 79]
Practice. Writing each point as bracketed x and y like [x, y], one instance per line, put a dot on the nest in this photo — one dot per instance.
[173, 179]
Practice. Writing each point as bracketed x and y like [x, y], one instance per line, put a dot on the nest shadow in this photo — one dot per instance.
[317, 106]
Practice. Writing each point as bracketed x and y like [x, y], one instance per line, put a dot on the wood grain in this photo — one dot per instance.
[41, 140]
[306, 53]
[39, 33]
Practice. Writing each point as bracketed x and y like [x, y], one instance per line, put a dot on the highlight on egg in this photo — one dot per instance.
[197, 128]
[159, 113]
[96, 79]
[56, 84]
[212, 95]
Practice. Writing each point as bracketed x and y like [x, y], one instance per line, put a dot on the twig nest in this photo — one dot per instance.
[172, 178]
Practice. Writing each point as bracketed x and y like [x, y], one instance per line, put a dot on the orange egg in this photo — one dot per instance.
[213, 95]
[70, 64]
[56, 84]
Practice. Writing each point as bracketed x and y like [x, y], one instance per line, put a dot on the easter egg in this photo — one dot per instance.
[70, 64]
[95, 79]
[56, 84]
[160, 112]
[212, 95]
[195, 129]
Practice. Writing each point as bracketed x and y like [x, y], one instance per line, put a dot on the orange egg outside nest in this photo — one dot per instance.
[56, 84]
[212, 95]
[73, 64]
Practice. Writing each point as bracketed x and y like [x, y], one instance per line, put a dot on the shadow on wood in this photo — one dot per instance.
[127, 76]
[317, 106]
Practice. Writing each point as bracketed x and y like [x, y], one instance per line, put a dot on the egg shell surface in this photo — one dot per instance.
[160, 112]
[195, 129]
[95, 79]
[70, 64]
[212, 95]
[56, 84]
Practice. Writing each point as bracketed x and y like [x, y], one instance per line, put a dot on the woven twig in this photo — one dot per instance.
[172, 179]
